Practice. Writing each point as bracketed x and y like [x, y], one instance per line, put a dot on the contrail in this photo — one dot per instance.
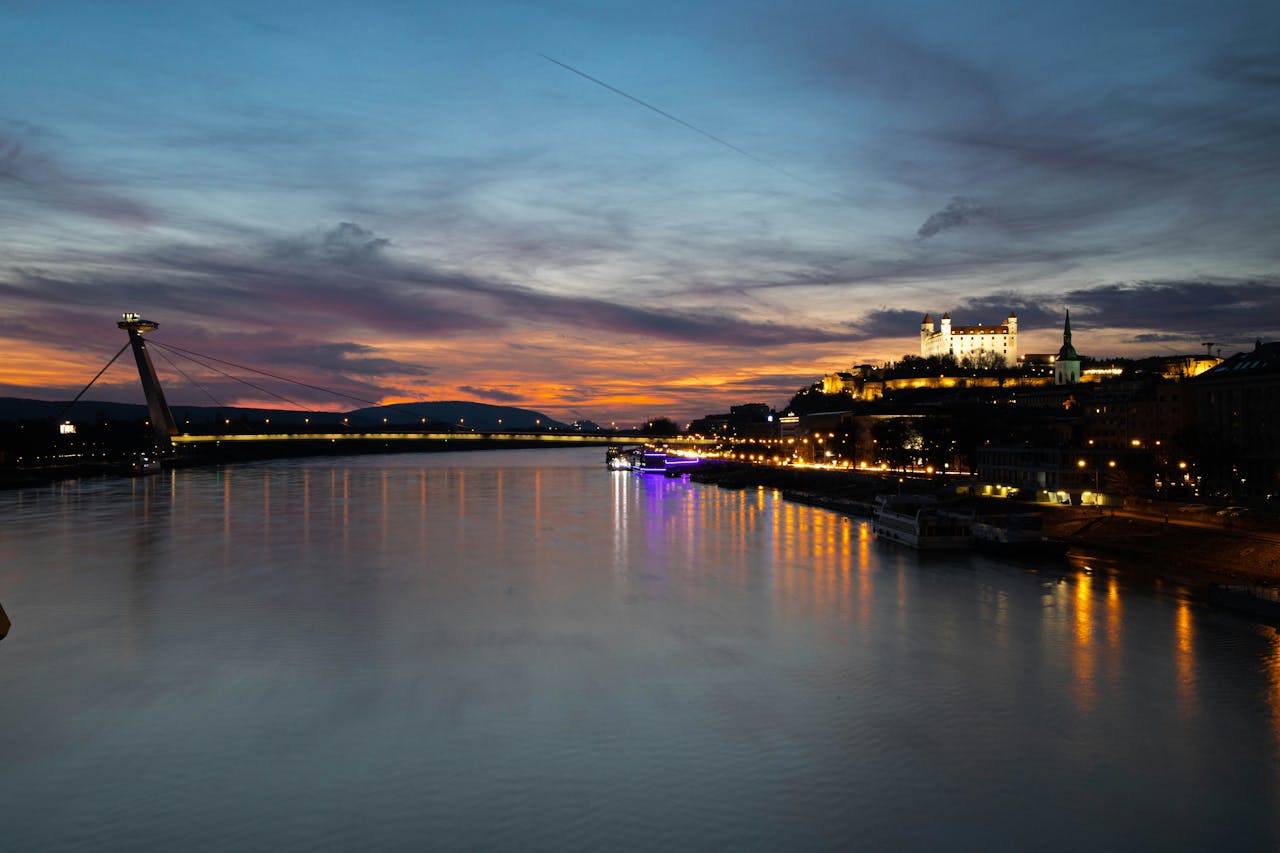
[677, 120]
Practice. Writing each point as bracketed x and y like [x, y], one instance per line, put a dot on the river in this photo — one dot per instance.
[521, 650]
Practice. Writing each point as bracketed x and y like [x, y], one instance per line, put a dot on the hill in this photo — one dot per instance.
[474, 415]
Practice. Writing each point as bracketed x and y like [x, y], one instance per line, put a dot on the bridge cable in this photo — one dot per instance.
[91, 381]
[235, 378]
[190, 353]
[186, 376]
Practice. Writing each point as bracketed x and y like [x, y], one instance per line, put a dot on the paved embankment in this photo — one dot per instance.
[1197, 550]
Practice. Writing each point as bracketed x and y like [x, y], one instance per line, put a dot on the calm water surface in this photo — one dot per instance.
[521, 650]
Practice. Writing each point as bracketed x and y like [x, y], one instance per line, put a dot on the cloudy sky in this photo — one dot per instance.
[619, 210]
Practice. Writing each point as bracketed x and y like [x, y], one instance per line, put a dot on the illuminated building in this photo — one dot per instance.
[1066, 367]
[970, 342]
[1238, 420]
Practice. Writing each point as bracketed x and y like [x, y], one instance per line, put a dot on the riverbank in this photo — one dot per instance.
[1164, 546]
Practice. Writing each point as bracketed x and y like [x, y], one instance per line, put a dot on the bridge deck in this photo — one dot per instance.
[547, 437]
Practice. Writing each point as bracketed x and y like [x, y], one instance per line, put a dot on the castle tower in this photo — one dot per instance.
[1066, 368]
[926, 332]
[1011, 341]
[162, 422]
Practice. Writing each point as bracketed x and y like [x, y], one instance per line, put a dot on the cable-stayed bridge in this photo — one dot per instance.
[321, 438]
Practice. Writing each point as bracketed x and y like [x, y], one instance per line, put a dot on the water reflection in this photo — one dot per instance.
[1083, 658]
[1184, 658]
[522, 649]
[1115, 611]
[1272, 669]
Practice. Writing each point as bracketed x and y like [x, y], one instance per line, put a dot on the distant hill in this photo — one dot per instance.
[474, 415]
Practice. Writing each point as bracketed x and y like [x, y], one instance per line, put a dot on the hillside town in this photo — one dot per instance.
[1054, 427]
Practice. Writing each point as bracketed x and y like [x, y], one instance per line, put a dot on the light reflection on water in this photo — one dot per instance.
[522, 649]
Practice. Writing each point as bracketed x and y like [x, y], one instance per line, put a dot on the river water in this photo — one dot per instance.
[521, 650]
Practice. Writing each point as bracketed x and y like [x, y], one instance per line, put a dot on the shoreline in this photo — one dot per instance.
[1141, 544]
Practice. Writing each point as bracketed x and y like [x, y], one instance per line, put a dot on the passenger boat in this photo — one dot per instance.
[1016, 534]
[917, 521]
[619, 458]
[142, 465]
[649, 460]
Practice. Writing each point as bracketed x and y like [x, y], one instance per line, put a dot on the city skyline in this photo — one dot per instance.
[680, 210]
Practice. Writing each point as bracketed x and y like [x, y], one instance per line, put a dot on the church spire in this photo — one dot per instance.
[1068, 352]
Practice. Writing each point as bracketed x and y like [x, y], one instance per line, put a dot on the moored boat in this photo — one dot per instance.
[1016, 534]
[619, 458]
[649, 460]
[918, 522]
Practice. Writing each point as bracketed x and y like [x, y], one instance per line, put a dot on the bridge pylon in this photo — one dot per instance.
[162, 422]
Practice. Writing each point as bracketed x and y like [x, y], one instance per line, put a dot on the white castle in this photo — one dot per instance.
[970, 341]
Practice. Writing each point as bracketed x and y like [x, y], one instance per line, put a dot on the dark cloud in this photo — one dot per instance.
[1162, 159]
[349, 243]
[1229, 310]
[994, 308]
[346, 244]
[1158, 338]
[1033, 311]
[30, 176]
[1257, 69]
[960, 211]
[892, 322]
[673, 324]
[491, 394]
[1172, 311]
[347, 358]
[310, 308]
[856, 52]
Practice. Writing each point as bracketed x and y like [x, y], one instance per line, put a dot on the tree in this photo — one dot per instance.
[661, 427]
[937, 440]
[896, 441]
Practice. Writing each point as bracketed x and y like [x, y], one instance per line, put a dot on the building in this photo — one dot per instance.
[970, 342]
[748, 420]
[840, 382]
[1238, 424]
[849, 381]
[1066, 367]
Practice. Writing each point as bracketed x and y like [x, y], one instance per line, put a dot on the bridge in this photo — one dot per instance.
[167, 435]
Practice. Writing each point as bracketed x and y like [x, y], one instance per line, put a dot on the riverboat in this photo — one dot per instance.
[649, 460]
[619, 458]
[1016, 534]
[918, 522]
[142, 465]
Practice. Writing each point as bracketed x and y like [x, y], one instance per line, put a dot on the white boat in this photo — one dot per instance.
[648, 460]
[1016, 534]
[918, 522]
[142, 465]
[619, 458]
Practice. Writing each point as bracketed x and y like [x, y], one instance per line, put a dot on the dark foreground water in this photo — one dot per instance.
[520, 650]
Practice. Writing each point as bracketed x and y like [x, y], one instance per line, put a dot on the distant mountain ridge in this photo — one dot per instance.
[482, 416]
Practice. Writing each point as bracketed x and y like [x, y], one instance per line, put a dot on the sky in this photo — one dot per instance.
[617, 211]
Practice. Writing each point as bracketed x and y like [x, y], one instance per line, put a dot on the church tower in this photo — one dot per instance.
[1066, 367]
